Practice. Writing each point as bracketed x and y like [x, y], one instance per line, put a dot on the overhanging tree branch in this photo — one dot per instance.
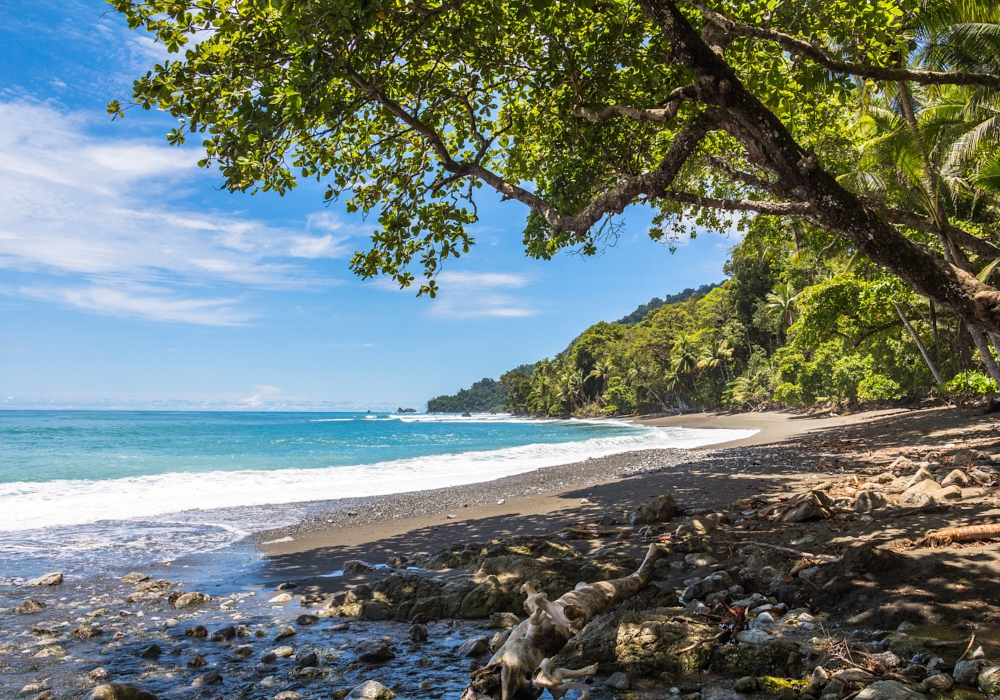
[760, 207]
[641, 114]
[961, 237]
[802, 48]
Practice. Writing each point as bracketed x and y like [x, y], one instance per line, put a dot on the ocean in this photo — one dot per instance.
[81, 490]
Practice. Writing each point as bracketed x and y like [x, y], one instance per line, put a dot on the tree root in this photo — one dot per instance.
[511, 672]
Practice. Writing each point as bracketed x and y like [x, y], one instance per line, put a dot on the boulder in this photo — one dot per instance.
[418, 633]
[804, 512]
[198, 632]
[87, 632]
[940, 682]
[618, 681]
[53, 579]
[134, 577]
[376, 652]
[158, 586]
[120, 691]
[956, 477]
[868, 501]
[889, 690]
[192, 598]
[306, 620]
[656, 510]
[719, 581]
[765, 656]
[30, 606]
[224, 634]
[356, 566]
[210, 678]
[920, 492]
[371, 690]
[285, 632]
[504, 621]
[966, 673]
[477, 646]
[989, 680]
[153, 651]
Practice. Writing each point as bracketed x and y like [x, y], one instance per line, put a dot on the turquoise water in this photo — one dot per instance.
[85, 488]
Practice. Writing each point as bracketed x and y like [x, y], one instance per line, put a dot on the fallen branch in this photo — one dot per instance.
[969, 533]
[825, 558]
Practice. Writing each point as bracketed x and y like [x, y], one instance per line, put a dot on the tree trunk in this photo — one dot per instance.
[799, 178]
[920, 345]
[984, 352]
[510, 672]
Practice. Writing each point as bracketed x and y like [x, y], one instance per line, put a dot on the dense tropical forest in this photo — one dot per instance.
[485, 396]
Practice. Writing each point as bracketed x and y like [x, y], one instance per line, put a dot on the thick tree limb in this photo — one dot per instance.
[641, 114]
[800, 47]
[800, 178]
[974, 244]
[761, 207]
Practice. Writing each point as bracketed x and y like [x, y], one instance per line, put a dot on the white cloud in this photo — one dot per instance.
[110, 212]
[264, 395]
[466, 295]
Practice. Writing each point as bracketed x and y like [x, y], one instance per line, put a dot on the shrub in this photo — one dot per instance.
[969, 382]
[878, 387]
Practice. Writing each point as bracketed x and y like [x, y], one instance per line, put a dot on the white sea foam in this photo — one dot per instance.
[31, 505]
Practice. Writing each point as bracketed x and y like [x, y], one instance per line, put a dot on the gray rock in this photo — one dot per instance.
[53, 579]
[989, 680]
[956, 477]
[356, 566]
[198, 632]
[371, 690]
[153, 651]
[197, 661]
[752, 636]
[967, 672]
[765, 619]
[121, 691]
[99, 674]
[30, 606]
[134, 577]
[719, 581]
[867, 501]
[477, 646]
[503, 621]
[285, 632]
[224, 634]
[86, 632]
[376, 652]
[889, 690]
[307, 660]
[287, 586]
[306, 620]
[700, 559]
[888, 659]
[746, 684]
[656, 510]
[939, 681]
[819, 677]
[418, 633]
[192, 598]
[210, 678]
[618, 681]
[243, 651]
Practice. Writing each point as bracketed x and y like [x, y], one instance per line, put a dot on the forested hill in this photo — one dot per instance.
[482, 397]
[655, 303]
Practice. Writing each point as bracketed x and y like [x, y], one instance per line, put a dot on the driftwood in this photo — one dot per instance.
[970, 533]
[510, 673]
[559, 681]
[825, 558]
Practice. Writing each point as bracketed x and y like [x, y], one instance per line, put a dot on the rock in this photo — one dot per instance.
[889, 690]
[86, 631]
[920, 491]
[306, 620]
[224, 634]
[504, 621]
[719, 581]
[356, 566]
[285, 632]
[269, 658]
[284, 652]
[418, 634]
[476, 646]
[948, 493]
[99, 674]
[197, 661]
[192, 598]
[53, 579]
[941, 682]
[281, 598]
[499, 639]
[888, 660]
[867, 501]
[30, 606]
[700, 559]
[956, 477]
[618, 681]
[210, 678]
[306, 659]
[153, 651]
[967, 672]
[804, 512]
[120, 691]
[243, 651]
[852, 675]
[199, 632]
[134, 577]
[746, 684]
[288, 695]
[371, 690]
[287, 586]
[989, 680]
[170, 623]
[819, 677]
[656, 510]
[753, 636]
[376, 652]
[765, 619]
[158, 586]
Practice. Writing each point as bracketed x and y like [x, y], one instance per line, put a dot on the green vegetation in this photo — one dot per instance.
[655, 303]
[484, 396]
[855, 143]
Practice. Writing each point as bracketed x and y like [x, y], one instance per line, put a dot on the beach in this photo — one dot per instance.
[319, 607]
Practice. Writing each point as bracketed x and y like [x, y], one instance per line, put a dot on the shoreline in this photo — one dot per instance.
[528, 503]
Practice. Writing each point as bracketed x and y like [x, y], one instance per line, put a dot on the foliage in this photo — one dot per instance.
[482, 397]
[644, 309]
[968, 383]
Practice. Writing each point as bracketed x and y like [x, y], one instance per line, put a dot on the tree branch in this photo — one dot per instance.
[761, 207]
[800, 47]
[975, 244]
[641, 114]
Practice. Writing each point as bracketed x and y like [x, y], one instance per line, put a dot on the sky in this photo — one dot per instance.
[129, 278]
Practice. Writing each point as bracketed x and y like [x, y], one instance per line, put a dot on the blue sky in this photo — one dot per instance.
[129, 278]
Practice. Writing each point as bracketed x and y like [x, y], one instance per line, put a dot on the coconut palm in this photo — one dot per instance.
[715, 357]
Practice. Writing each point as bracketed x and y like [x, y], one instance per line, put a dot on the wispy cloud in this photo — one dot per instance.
[264, 395]
[111, 212]
[468, 295]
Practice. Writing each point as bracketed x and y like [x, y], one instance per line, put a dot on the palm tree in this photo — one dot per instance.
[716, 357]
[603, 369]
[683, 355]
[781, 303]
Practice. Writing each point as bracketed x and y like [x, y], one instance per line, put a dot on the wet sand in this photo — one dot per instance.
[544, 500]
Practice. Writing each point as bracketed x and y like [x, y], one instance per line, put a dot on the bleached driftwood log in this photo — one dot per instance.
[510, 673]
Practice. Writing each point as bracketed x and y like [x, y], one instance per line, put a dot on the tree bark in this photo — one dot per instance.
[984, 353]
[920, 345]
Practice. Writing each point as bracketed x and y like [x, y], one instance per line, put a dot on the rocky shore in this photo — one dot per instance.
[826, 568]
